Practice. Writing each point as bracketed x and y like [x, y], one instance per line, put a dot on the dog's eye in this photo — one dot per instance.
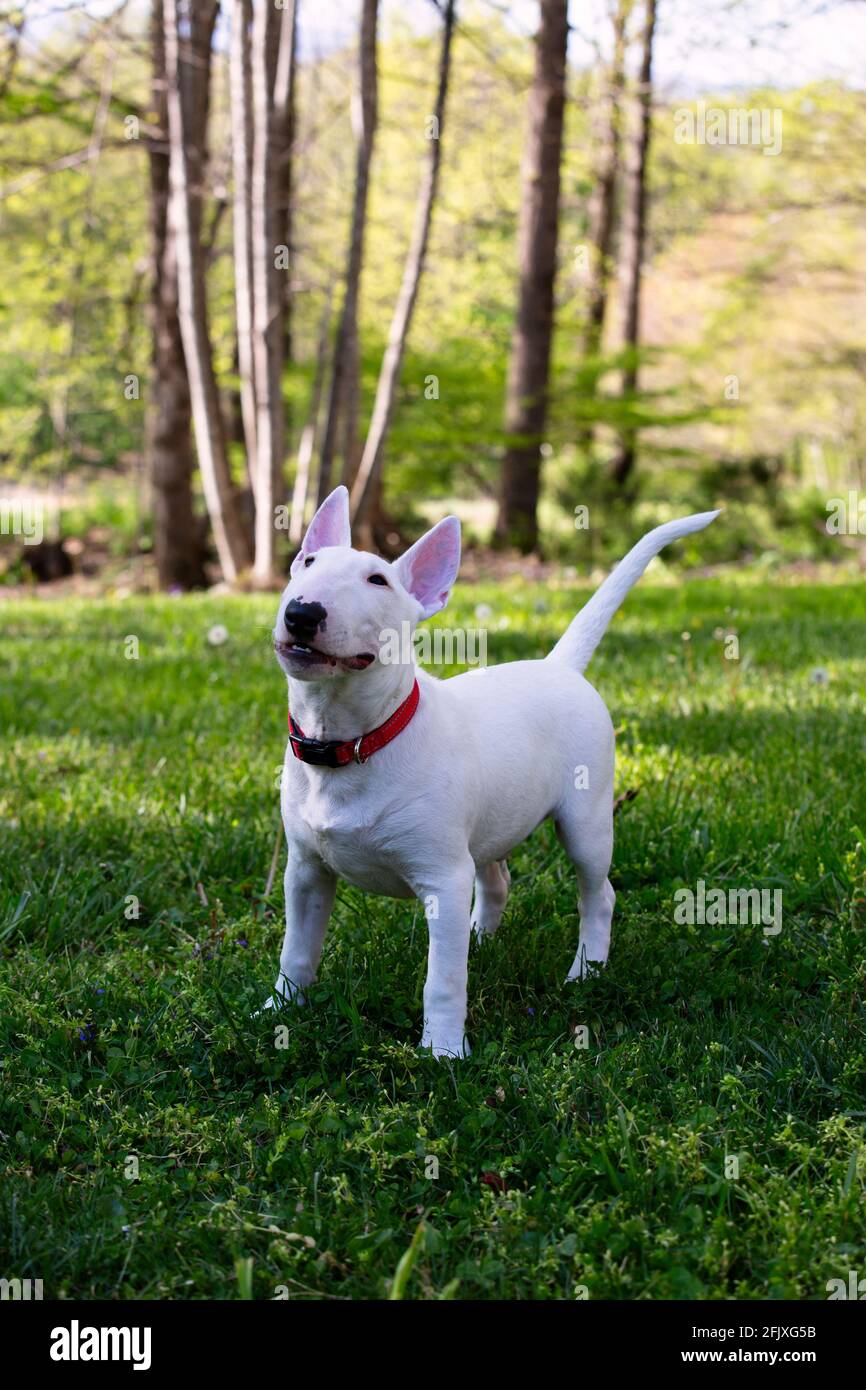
[378, 579]
[309, 560]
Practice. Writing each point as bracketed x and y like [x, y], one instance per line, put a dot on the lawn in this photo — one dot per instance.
[157, 1142]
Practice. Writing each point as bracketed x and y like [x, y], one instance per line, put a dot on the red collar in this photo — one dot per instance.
[357, 750]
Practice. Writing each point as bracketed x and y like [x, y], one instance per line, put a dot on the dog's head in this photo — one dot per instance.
[342, 607]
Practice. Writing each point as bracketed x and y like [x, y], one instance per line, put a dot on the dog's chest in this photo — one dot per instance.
[348, 834]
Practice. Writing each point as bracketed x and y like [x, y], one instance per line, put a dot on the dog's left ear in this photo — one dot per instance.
[429, 568]
[330, 526]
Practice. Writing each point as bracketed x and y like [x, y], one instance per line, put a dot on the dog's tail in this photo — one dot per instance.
[582, 636]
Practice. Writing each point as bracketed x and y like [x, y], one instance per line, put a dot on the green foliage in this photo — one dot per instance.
[753, 304]
[72, 305]
[307, 1168]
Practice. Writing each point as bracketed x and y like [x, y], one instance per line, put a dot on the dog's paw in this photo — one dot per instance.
[284, 994]
[484, 924]
[441, 1045]
[584, 970]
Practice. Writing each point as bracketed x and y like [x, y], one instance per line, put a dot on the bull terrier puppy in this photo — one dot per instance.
[414, 787]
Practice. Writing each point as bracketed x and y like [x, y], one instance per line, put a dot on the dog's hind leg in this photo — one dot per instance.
[588, 842]
[491, 895]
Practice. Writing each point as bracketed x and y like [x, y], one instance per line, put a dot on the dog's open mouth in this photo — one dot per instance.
[307, 655]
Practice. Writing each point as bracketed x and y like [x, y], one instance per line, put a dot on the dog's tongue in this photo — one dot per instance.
[359, 663]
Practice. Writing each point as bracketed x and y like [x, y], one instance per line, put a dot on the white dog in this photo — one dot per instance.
[414, 787]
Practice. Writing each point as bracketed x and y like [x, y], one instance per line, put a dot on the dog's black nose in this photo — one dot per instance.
[303, 620]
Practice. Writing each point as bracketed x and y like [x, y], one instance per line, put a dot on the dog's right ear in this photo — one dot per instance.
[330, 526]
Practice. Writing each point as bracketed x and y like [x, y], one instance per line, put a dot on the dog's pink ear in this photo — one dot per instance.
[330, 525]
[429, 568]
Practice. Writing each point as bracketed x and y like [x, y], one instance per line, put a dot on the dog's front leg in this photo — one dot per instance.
[310, 888]
[446, 906]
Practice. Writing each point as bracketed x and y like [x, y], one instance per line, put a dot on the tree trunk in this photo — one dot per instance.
[370, 467]
[307, 445]
[284, 126]
[342, 399]
[526, 394]
[267, 290]
[607, 178]
[262, 96]
[187, 124]
[240, 84]
[634, 246]
[171, 463]
[351, 411]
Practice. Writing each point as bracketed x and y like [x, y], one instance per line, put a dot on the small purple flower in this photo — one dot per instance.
[531, 1012]
[87, 1034]
[243, 942]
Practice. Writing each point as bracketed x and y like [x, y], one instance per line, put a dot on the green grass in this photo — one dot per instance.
[306, 1167]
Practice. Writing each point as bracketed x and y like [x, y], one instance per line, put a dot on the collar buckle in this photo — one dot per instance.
[337, 753]
[315, 751]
